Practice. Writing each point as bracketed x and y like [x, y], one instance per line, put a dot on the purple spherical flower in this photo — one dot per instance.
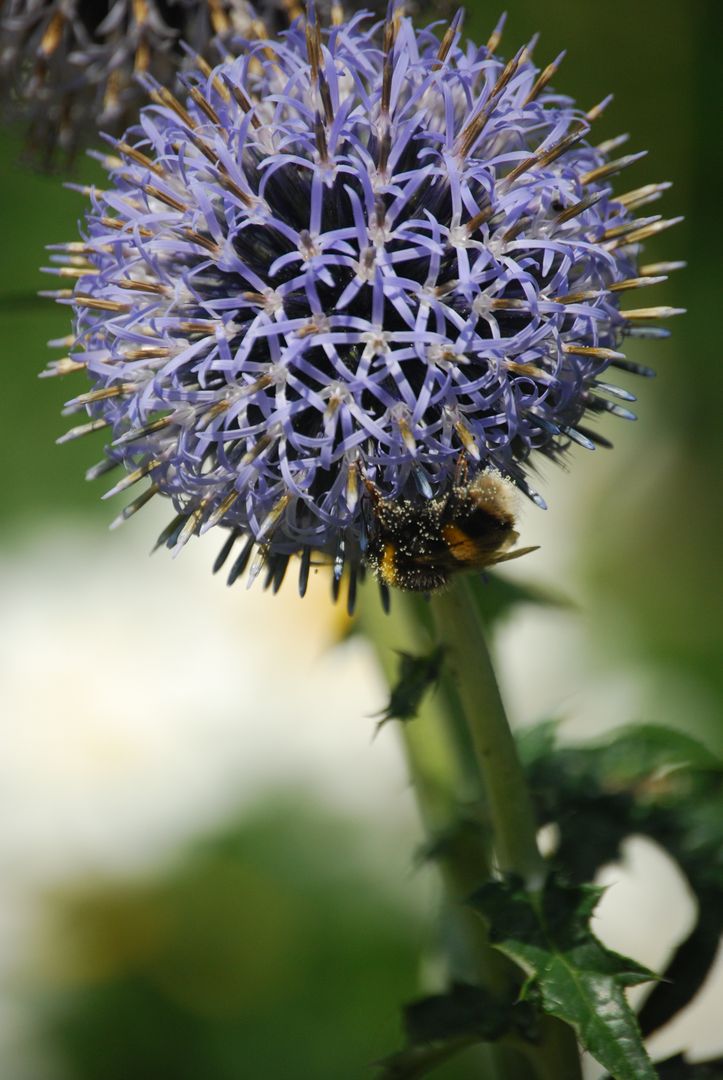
[344, 263]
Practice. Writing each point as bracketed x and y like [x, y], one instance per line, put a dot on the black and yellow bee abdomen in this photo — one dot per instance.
[417, 545]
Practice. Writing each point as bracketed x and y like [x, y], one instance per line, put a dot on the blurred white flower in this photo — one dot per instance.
[119, 739]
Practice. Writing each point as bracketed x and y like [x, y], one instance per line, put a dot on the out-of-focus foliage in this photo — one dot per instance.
[272, 950]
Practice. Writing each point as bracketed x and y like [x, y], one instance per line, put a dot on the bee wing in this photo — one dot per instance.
[515, 554]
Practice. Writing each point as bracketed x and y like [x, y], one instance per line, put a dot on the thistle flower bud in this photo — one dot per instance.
[70, 66]
[344, 267]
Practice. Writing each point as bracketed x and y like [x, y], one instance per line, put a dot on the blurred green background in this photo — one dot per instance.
[272, 946]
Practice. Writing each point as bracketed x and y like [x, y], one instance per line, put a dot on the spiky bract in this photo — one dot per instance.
[70, 65]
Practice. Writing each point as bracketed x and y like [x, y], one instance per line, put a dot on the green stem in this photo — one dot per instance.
[448, 791]
[510, 806]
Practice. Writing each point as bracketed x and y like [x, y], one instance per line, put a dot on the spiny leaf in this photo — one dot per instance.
[416, 675]
[465, 1010]
[646, 780]
[439, 1026]
[577, 979]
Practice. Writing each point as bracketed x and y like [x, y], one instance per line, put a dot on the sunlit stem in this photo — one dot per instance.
[446, 790]
[449, 795]
[514, 831]
[510, 807]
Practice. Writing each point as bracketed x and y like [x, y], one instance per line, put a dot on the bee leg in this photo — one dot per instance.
[371, 513]
[461, 470]
[372, 490]
[456, 494]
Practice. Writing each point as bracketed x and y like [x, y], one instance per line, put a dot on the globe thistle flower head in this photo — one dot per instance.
[70, 66]
[344, 269]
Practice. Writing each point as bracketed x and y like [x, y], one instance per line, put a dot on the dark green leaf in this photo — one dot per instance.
[416, 675]
[678, 1068]
[496, 597]
[439, 1026]
[646, 780]
[629, 752]
[417, 1061]
[688, 968]
[537, 742]
[461, 840]
[688, 821]
[644, 749]
[465, 1010]
[578, 980]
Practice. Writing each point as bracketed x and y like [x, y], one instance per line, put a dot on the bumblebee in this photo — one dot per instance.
[418, 546]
